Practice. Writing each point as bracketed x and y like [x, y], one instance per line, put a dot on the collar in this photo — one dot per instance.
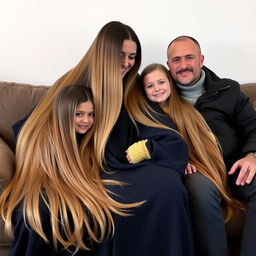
[193, 92]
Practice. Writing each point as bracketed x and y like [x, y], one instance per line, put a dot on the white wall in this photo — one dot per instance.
[42, 39]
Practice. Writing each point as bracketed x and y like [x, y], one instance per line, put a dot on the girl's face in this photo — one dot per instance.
[84, 117]
[128, 54]
[157, 87]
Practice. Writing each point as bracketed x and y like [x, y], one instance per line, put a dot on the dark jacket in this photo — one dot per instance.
[230, 115]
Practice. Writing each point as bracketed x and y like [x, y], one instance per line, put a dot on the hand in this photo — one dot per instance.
[128, 157]
[247, 166]
[190, 169]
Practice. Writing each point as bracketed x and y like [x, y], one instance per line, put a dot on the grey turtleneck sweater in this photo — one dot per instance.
[193, 92]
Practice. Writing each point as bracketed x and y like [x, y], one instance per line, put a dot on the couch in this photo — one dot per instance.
[18, 99]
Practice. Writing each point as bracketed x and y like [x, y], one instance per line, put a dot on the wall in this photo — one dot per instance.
[42, 39]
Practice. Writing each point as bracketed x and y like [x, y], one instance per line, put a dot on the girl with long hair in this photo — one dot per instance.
[205, 154]
[73, 113]
[65, 202]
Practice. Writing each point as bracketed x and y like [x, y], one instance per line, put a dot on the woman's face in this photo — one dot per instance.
[157, 87]
[128, 54]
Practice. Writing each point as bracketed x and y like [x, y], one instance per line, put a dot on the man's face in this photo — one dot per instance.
[185, 61]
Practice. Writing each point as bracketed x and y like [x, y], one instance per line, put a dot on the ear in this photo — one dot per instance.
[167, 62]
[201, 61]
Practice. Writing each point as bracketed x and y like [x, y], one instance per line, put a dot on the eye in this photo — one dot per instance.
[175, 60]
[190, 57]
[162, 81]
[147, 86]
[91, 114]
[132, 57]
[79, 114]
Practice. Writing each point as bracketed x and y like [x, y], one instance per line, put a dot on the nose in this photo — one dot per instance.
[125, 61]
[85, 119]
[156, 88]
[183, 63]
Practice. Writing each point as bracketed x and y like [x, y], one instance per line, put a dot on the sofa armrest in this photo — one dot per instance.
[250, 91]
[7, 164]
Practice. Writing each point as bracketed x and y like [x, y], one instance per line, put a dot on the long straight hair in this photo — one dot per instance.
[48, 164]
[204, 150]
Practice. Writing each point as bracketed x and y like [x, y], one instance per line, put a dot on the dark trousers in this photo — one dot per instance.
[208, 223]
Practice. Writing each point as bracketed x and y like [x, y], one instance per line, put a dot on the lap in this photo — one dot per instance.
[244, 193]
[161, 226]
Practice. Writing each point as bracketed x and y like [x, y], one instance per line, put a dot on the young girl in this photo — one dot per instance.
[204, 151]
[157, 86]
[73, 110]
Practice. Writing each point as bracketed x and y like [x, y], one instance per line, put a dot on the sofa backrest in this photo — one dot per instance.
[17, 100]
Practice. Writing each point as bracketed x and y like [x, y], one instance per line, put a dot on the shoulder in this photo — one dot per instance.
[214, 82]
[230, 84]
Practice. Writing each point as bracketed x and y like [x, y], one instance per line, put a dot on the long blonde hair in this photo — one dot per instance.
[50, 167]
[204, 150]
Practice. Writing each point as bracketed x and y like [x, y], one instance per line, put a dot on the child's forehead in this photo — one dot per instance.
[85, 105]
[156, 73]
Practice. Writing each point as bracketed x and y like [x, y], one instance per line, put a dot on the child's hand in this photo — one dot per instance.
[128, 157]
[190, 169]
[137, 152]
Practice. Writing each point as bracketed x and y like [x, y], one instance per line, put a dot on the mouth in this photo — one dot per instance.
[184, 72]
[123, 70]
[159, 94]
[83, 127]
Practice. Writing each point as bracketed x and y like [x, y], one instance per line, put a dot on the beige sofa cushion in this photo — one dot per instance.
[17, 100]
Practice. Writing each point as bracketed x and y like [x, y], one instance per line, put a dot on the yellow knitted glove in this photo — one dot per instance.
[138, 151]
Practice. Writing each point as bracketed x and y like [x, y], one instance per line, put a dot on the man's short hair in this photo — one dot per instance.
[184, 38]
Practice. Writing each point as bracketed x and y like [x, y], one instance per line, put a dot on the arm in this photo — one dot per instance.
[137, 152]
[246, 123]
[247, 166]
[166, 147]
[17, 126]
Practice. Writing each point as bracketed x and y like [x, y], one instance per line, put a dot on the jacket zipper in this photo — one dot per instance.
[213, 95]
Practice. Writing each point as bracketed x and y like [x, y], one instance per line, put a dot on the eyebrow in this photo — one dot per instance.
[187, 55]
[129, 53]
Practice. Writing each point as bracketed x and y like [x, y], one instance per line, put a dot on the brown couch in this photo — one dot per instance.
[17, 100]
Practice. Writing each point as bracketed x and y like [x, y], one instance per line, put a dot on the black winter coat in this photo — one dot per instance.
[230, 115]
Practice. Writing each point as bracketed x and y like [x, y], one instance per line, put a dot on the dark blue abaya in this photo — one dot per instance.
[161, 226]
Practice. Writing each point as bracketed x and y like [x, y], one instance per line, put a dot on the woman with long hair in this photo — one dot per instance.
[64, 202]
